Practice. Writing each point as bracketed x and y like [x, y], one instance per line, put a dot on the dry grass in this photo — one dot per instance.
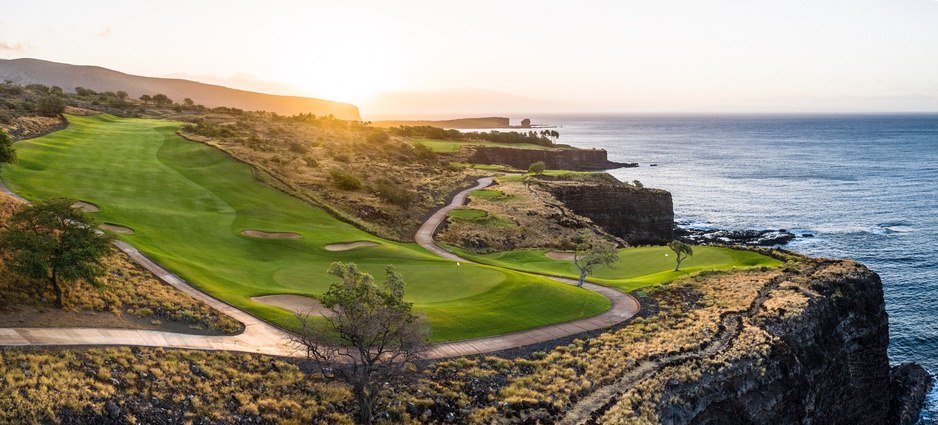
[153, 384]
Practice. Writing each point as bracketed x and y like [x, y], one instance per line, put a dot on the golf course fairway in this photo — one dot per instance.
[188, 204]
[637, 267]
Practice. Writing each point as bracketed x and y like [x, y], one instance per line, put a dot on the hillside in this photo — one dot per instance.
[66, 76]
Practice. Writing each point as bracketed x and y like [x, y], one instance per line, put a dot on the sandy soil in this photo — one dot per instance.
[295, 303]
[350, 245]
[87, 207]
[273, 235]
[560, 256]
[117, 229]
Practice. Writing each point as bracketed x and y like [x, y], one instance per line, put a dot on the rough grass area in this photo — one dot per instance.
[637, 267]
[143, 385]
[188, 204]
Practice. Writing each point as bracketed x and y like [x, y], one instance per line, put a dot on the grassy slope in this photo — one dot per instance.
[188, 204]
[637, 267]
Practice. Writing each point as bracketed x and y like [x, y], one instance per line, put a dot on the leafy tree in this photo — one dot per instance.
[50, 106]
[56, 242]
[7, 153]
[370, 337]
[162, 99]
[146, 99]
[122, 95]
[593, 253]
[537, 168]
[188, 102]
[681, 251]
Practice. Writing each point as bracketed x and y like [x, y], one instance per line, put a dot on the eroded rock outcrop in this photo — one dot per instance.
[554, 159]
[641, 216]
[810, 349]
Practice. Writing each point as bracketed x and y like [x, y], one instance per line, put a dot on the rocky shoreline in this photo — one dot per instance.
[750, 237]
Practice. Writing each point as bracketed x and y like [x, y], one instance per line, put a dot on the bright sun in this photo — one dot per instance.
[338, 70]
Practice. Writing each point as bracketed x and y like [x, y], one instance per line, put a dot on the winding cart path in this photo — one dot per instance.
[260, 337]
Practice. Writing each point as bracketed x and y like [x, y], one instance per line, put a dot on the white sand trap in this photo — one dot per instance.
[274, 235]
[350, 245]
[295, 303]
[560, 256]
[117, 229]
[86, 207]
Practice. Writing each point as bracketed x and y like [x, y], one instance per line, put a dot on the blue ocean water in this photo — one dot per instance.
[866, 187]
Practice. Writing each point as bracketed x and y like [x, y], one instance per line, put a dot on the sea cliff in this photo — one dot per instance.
[554, 159]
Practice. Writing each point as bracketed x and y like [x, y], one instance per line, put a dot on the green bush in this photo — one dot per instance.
[345, 181]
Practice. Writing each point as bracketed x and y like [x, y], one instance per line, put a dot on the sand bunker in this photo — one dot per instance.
[86, 207]
[274, 235]
[117, 229]
[295, 303]
[560, 256]
[350, 245]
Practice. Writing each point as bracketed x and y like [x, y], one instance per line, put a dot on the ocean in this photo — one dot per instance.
[865, 187]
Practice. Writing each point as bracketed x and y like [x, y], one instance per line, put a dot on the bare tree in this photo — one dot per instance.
[371, 335]
[593, 253]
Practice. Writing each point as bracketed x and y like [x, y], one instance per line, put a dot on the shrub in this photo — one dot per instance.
[345, 181]
[396, 194]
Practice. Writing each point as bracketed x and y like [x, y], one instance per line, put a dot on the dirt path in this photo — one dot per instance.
[261, 337]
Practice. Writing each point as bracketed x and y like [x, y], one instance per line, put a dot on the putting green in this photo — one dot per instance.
[188, 204]
[637, 267]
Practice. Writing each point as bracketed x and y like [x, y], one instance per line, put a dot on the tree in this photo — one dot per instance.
[681, 251]
[56, 242]
[188, 102]
[537, 168]
[7, 153]
[594, 253]
[162, 99]
[369, 338]
[122, 95]
[146, 99]
[50, 106]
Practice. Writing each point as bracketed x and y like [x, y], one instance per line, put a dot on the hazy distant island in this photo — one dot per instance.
[254, 205]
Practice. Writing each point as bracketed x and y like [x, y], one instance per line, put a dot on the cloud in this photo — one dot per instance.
[105, 33]
[15, 47]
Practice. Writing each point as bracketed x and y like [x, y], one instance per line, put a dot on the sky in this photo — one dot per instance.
[559, 56]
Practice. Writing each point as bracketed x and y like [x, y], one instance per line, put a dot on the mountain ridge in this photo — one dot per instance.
[67, 76]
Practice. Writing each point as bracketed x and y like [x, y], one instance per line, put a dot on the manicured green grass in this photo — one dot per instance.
[487, 194]
[450, 146]
[189, 203]
[467, 213]
[637, 267]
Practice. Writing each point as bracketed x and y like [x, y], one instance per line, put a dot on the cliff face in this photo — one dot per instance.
[641, 216]
[828, 365]
[560, 159]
